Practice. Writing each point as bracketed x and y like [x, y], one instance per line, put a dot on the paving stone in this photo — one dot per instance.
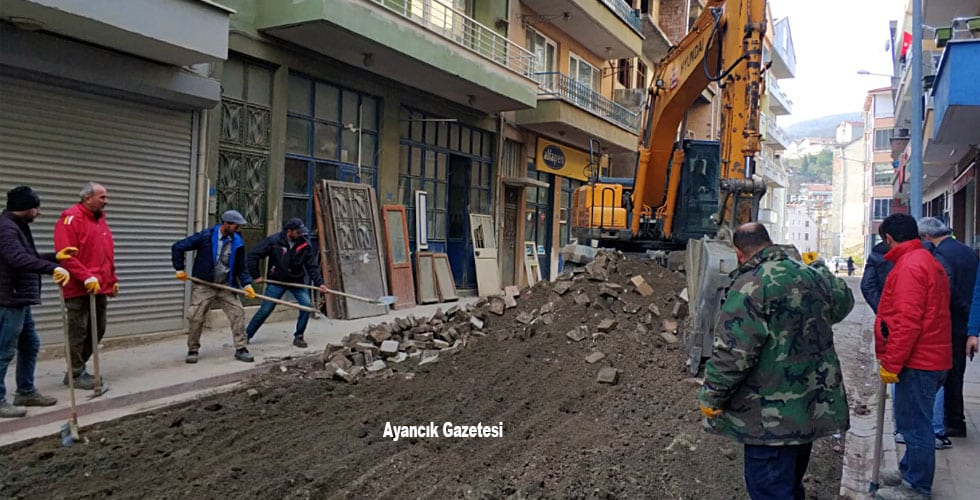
[607, 375]
[548, 319]
[440, 344]
[509, 302]
[524, 318]
[654, 309]
[379, 335]
[594, 357]
[610, 289]
[678, 309]
[578, 333]
[253, 394]
[547, 308]
[358, 359]
[377, 366]
[631, 308]
[511, 291]
[344, 375]
[452, 311]
[561, 287]
[398, 358]
[582, 299]
[365, 347]
[642, 287]
[356, 371]
[341, 361]
[668, 337]
[476, 322]
[607, 325]
[669, 325]
[497, 306]
[429, 357]
[389, 347]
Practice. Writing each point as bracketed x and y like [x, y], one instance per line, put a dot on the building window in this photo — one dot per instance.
[544, 51]
[332, 134]
[883, 174]
[537, 223]
[243, 147]
[883, 139]
[641, 75]
[881, 208]
[584, 73]
[568, 186]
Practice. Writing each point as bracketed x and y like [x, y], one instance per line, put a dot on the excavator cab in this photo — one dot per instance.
[697, 201]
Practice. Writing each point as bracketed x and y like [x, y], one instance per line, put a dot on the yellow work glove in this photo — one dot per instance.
[809, 257]
[60, 276]
[92, 285]
[710, 412]
[181, 275]
[249, 291]
[66, 253]
[887, 377]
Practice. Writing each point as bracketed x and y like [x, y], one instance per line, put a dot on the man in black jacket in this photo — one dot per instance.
[875, 272]
[291, 260]
[20, 288]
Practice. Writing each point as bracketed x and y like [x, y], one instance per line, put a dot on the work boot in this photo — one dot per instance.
[8, 410]
[34, 399]
[298, 341]
[899, 493]
[890, 478]
[243, 355]
[191, 357]
[83, 381]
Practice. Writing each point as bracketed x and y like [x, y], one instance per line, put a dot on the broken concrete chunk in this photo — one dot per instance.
[548, 319]
[642, 330]
[547, 308]
[669, 325]
[683, 295]
[524, 318]
[341, 361]
[631, 308]
[654, 309]
[509, 302]
[379, 335]
[637, 280]
[609, 289]
[607, 375]
[594, 357]
[358, 359]
[365, 347]
[341, 374]
[389, 347]
[668, 337]
[642, 287]
[511, 291]
[582, 299]
[578, 334]
[253, 394]
[377, 366]
[476, 322]
[607, 325]
[331, 349]
[648, 319]
[356, 371]
[452, 311]
[679, 310]
[398, 358]
[429, 357]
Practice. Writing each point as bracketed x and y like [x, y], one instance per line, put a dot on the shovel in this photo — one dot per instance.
[385, 300]
[69, 431]
[879, 427]
[219, 286]
[98, 389]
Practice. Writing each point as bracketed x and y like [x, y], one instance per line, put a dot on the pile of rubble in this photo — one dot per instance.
[589, 296]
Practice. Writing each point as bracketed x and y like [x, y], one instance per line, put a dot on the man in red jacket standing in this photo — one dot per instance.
[93, 272]
[913, 344]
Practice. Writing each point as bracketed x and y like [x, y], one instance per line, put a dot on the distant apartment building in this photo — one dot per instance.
[848, 131]
[849, 219]
[879, 123]
[801, 228]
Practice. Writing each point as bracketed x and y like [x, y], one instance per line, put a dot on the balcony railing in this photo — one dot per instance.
[626, 13]
[464, 31]
[771, 129]
[572, 91]
[773, 88]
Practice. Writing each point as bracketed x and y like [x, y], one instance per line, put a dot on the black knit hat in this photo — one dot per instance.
[22, 198]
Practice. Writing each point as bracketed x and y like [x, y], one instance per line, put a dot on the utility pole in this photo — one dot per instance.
[915, 162]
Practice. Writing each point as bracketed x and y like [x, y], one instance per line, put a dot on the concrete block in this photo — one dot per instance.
[561, 287]
[389, 347]
[578, 333]
[509, 302]
[524, 318]
[358, 359]
[607, 325]
[341, 361]
[582, 299]
[511, 291]
[594, 357]
[398, 358]
[579, 254]
[668, 337]
[377, 366]
[476, 322]
[497, 306]
[607, 375]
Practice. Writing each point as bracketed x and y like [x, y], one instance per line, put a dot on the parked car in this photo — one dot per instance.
[838, 264]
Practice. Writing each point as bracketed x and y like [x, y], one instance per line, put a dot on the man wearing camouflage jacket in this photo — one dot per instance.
[774, 382]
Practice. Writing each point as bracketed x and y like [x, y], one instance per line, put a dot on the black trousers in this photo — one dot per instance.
[954, 419]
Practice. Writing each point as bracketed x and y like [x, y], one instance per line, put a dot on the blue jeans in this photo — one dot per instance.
[17, 336]
[939, 413]
[915, 396]
[302, 296]
[776, 472]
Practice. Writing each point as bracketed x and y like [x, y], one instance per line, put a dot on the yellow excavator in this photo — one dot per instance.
[688, 193]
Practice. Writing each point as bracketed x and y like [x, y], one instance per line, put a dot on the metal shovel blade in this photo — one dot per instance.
[386, 300]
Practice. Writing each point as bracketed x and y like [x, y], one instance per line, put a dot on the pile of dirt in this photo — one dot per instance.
[303, 433]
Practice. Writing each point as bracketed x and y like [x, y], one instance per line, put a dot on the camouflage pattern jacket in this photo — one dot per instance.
[774, 371]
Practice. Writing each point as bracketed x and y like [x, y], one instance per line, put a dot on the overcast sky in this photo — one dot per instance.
[833, 40]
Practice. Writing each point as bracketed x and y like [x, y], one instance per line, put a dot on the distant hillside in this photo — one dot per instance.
[825, 126]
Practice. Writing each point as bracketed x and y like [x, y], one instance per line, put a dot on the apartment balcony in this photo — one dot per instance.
[773, 134]
[610, 28]
[903, 100]
[574, 113]
[957, 96]
[425, 44]
[779, 103]
[655, 41]
[772, 172]
[783, 52]
[175, 32]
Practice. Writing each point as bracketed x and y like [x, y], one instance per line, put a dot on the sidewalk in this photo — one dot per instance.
[955, 478]
[148, 376]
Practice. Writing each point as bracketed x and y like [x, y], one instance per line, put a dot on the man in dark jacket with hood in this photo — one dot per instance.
[20, 288]
[291, 260]
[875, 272]
[220, 259]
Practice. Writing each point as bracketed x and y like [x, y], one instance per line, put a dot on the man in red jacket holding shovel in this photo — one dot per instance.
[93, 272]
[913, 344]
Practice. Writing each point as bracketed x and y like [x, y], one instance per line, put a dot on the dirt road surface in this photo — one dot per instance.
[301, 434]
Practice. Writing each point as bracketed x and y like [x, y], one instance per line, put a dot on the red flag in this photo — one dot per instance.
[906, 42]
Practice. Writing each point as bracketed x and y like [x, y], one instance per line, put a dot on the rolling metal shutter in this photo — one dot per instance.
[56, 139]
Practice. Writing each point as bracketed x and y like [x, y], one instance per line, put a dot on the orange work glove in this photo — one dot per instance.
[249, 291]
[887, 377]
[710, 412]
[92, 285]
[66, 253]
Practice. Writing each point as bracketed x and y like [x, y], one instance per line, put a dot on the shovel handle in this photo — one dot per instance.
[281, 302]
[335, 292]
